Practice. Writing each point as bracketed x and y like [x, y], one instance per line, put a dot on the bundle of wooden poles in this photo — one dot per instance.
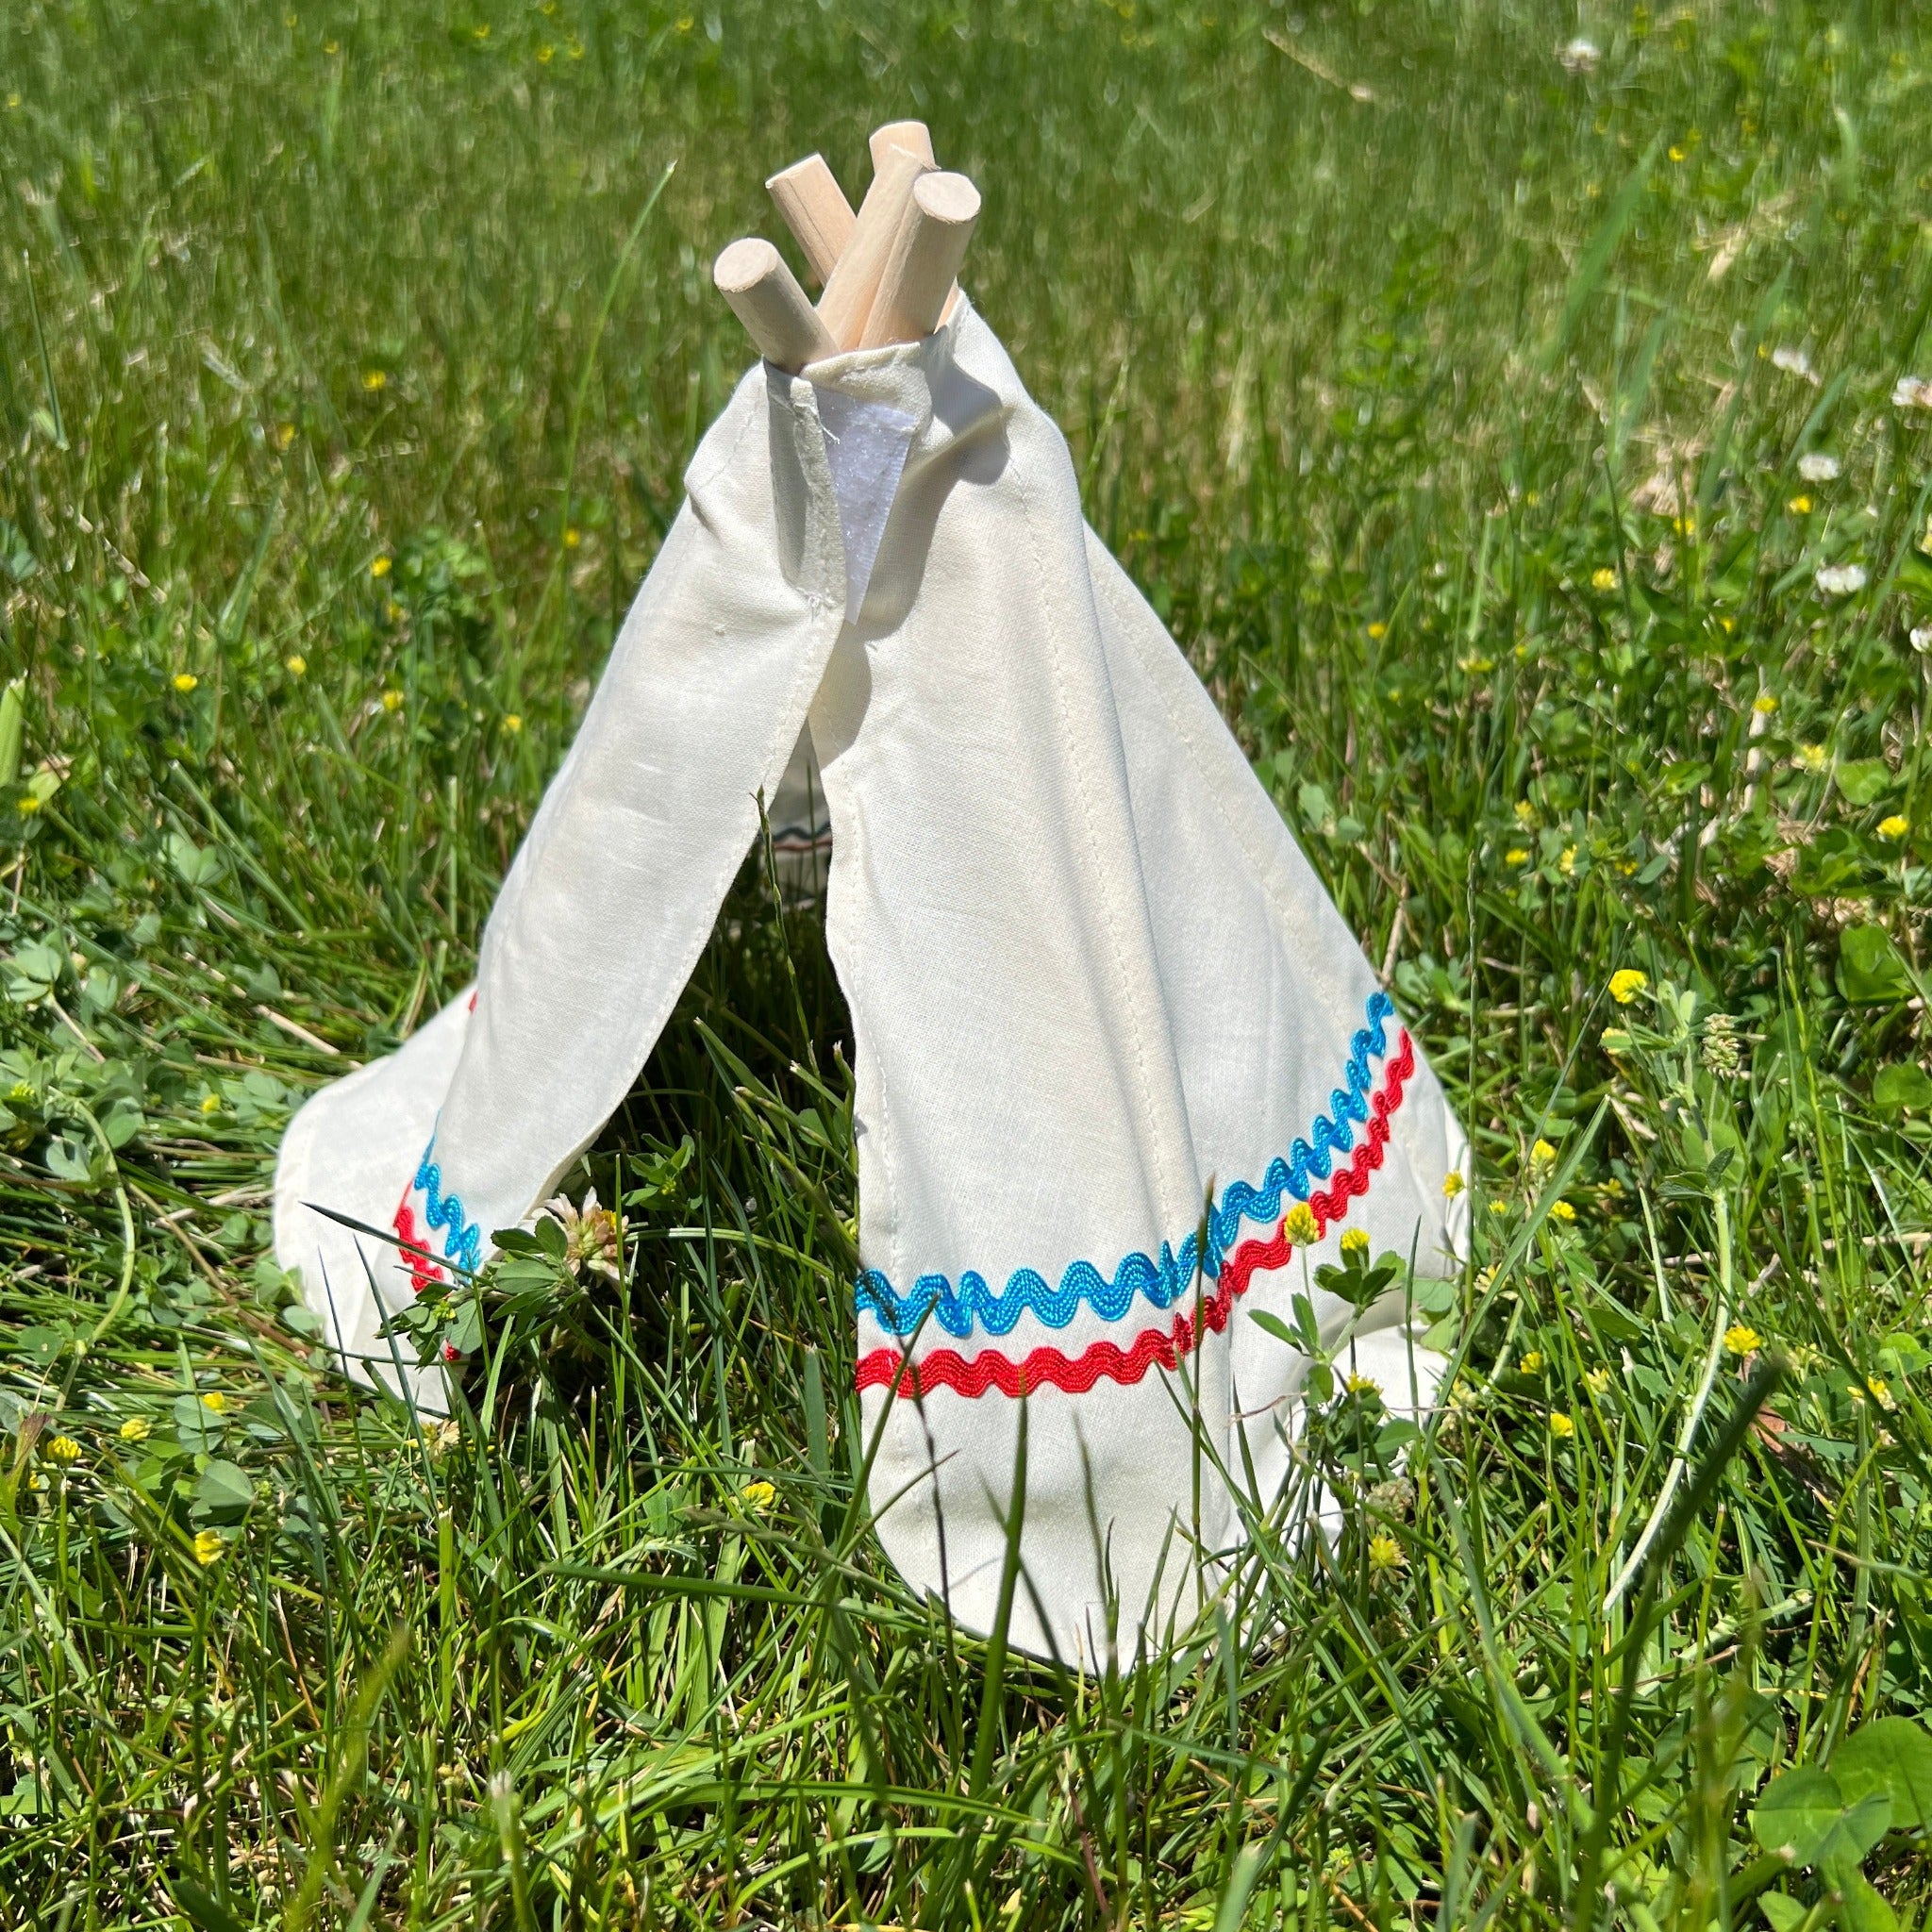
[887, 273]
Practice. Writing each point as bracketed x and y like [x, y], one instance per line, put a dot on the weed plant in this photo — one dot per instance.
[1520, 414]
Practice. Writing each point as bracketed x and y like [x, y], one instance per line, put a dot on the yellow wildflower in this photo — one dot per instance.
[381, 567]
[207, 1546]
[1566, 862]
[1452, 1184]
[29, 804]
[185, 681]
[1765, 703]
[1605, 579]
[1896, 826]
[374, 381]
[1300, 1226]
[1598, 1381]
[215, 1401]
[513, 722]
[1356, 1242]
[1627, 983]
[1742, 1338]
[1385, 1553]
[1516, 855]
[572, 537]
[757, 1495]
[1499, 1207]
[1531, 1365]
[295, 664]
[1811, 758]
[392, 610]
[63, 1450]
[1525, 813]
[1561, 1426]
[1800, 505]
[1541, 1155]
[392, 700]
[1678, 151]
[1359, 1384]
[136, 1430]
[545, 55]
[481, 30]
[1378, 630]
[284, 435]
[1564, 1212]
[211, 1103]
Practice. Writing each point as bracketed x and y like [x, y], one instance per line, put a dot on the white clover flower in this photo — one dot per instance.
[1840, 579]
[1816, 467]
[1921, 638]
[1579, 55]
[1793, 362]
[1911, 392]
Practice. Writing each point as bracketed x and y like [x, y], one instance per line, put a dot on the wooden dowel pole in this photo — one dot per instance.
[765, 296]
[913, 136]
[917, 279]
[808, 196]
[851, 287]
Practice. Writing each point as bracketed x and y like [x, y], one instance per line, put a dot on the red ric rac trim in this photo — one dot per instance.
[1162, 1347]
[424, 1273]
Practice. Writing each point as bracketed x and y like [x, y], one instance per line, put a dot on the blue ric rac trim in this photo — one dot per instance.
[463, 1244]
[1170, 1278]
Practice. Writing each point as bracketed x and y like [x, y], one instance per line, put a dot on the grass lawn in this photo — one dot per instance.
[1513, 410]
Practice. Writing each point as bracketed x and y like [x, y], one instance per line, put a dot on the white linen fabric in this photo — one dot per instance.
[1108, 1027]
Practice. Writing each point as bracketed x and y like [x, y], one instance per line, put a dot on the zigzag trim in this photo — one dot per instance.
[1161, 1347]
[1165, 1281]
[425, 1272]
[463, 1243]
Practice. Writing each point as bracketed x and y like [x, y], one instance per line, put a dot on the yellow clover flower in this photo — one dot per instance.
[1742, 1338]
[392, 700]
[1564, 1212]
[215, 1401]
[63, 1450]
[757, 1495]
[136, 1430]
[1561, 1426]
[1385, 1553]
[207, 1547]
[1356, 1242]
[1896, 826]
[296, 665]
[1300, 1226]
[380, 566]
[1605, 579]
[1452, 1184]
[1541, 1155]
[1359, 1384]
[185, 681]
[1627, 983]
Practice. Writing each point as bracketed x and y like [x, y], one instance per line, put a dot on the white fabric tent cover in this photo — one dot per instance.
[1090, 976]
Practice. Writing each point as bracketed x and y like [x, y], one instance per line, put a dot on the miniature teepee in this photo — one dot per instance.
[1093, 983]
